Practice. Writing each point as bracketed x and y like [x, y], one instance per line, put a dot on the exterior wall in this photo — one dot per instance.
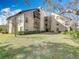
[20, 22]
[11, 25]
[30, 24]
[30, 21]
[42, 25]
[47, 23]
[74, 25]
[36, 16]
[57, 24]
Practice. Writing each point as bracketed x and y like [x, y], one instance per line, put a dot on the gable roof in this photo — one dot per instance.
[22, 12]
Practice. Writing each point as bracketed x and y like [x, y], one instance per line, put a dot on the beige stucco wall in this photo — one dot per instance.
[20, 22]
[10, 25]
[74, 25]
[30, 24]
[42, 15]
[61, 23]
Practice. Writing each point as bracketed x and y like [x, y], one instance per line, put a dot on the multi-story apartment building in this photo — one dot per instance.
[36, 20]
[59, 23]
[28, 20]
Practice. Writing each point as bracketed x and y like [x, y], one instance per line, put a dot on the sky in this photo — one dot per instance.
[19, 4]
[11, 7]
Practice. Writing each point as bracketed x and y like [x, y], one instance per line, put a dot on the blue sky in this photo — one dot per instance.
[19, 4]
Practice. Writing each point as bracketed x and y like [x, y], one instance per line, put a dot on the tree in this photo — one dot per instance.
[15, 26]
[53, 6]
[1, 29]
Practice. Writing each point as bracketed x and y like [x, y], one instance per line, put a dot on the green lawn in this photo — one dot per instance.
[38, 46]
[6, 37]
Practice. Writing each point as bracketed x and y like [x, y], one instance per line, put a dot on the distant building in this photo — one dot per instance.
[36, 20]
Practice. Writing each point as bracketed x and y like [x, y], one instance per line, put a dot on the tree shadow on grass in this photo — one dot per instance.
[76, 40]
[46, 50]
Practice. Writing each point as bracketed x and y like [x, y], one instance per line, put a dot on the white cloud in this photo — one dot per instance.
[6, 12]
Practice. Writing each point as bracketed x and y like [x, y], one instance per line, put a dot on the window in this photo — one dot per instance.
[57, 24]
[67, 23]
[45, 24]
[57, 29]
[71, 29]
[66, 30]
[36, 14]
[26, 20]
[46, 20]
[70, 19]
[38, 10]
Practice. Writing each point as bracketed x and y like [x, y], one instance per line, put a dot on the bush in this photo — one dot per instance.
[20, 32]
[4, 32]
[1, 29]
[74, 34]
[28, 32]
[65, 32]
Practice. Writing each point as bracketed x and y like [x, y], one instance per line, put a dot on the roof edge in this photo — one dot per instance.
[22, 12]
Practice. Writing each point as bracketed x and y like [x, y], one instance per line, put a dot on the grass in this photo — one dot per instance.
[6, 37]
[35, 38]
[38, 46]
[46, 50]
[74, 35]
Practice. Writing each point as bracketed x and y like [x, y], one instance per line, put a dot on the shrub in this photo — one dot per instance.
[20, 32]
[74, 34]
[65, 32]
[1, 29]
[28, 32]
[4, 32]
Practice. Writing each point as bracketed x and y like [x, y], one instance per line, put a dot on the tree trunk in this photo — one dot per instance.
[15, 30]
